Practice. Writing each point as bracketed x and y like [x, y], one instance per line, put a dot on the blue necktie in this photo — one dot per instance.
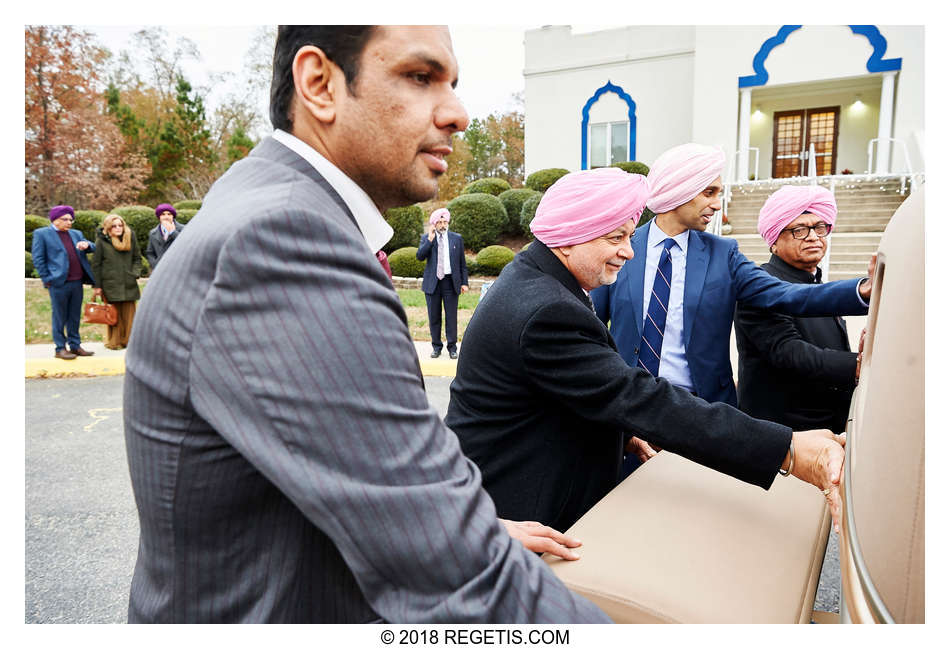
[651, 345]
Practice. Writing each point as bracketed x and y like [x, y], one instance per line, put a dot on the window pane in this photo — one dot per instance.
[618, 142]
[598, 145]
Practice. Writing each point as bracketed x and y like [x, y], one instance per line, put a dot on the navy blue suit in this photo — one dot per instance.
[52, 265]
[443, 291]
[717, 277]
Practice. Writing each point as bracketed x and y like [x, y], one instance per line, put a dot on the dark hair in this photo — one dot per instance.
[343, 44]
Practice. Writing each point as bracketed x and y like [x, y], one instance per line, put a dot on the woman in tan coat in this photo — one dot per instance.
[116, 266]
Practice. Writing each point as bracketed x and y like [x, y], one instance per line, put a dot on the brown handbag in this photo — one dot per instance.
[105, 313]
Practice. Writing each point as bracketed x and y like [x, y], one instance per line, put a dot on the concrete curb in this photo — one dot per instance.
[40, 363]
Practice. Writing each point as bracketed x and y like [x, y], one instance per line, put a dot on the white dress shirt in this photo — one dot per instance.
[673, 365]
[444, 261]
[375, 230]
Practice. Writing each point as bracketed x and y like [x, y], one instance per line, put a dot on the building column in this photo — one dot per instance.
[745, 110]
[885, 123]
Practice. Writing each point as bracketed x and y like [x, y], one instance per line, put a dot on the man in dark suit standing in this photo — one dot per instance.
[285, 461]
[541, 398]
[446, 275]
[59, 256]
[795, 371]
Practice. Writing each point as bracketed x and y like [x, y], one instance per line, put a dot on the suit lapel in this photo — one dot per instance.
[697, 261]
[271, 149]
[639, 261]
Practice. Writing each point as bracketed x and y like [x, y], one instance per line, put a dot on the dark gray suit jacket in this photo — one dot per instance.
[286, 464]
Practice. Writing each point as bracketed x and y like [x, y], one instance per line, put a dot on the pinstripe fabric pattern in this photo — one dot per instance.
[285, 461]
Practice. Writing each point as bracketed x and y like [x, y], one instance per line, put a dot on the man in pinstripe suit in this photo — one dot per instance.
[286, 464]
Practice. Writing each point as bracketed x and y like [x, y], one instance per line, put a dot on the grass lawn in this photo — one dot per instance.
[39, 315]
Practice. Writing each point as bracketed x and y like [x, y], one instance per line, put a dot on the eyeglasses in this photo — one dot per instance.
[65, 218]
[802, 231]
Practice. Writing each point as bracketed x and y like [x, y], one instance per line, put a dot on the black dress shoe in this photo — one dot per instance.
[435, 354]
[453, 355]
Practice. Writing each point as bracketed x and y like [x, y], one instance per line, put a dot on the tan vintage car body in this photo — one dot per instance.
[677, 542]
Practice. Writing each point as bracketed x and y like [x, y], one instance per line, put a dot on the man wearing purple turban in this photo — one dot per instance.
[795, 371]
[541, 400]
[59, 256]
[707, 277]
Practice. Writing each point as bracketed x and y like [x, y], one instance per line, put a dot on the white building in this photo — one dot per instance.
[765, 93]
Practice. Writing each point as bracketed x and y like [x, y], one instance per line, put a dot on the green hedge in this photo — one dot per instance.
[30, 271]
[141, 219]
[492, 259]
[540, 180]
[527, 213]
[632, 167]
[471, 265]
[645, 217]
[493, 186]
[479, 218]
[408, 224]
[513, 200]
[187, 205]
[88, 222]
[185, 214]
[403, 263]
[34, 222]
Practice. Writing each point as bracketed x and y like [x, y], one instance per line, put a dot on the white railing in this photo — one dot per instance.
[734, 164]
[903, 146]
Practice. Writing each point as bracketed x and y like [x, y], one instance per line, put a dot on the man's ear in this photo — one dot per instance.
[317, 82]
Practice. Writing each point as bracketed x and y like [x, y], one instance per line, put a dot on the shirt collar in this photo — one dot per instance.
[658, 236]
[375, 230]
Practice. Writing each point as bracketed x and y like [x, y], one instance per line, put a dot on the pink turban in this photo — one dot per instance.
[790, 202]
[681, 174]
[584, 205]
[440, 213]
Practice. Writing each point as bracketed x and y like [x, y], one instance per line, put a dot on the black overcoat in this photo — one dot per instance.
[541, 400]
[795, 371]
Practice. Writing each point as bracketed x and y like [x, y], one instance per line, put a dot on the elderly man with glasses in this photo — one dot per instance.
[797, 371]
[59, 257]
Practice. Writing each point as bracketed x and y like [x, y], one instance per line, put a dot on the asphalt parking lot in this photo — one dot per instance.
[81, 525]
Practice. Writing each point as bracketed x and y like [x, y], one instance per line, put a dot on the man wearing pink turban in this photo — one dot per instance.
[542, 401]
[683, 334]
[445, 276]
[795, 371]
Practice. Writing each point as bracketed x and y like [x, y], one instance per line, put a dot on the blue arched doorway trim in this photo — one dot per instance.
[631, 116]
[876, 62]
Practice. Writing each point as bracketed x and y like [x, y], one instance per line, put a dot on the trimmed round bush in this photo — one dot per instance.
[479, 218]
[540, 180]
[493, 186]
[471, 265]
[185, 214]
[632, 167]
[30, 271]
[492, 259]
[513, 200]
[527, 213]
[88, 222]
[187, 205]
[645, 217]
[408, 224]
[34, 222]
[141, 218]
[403, 263]
[525, 246]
